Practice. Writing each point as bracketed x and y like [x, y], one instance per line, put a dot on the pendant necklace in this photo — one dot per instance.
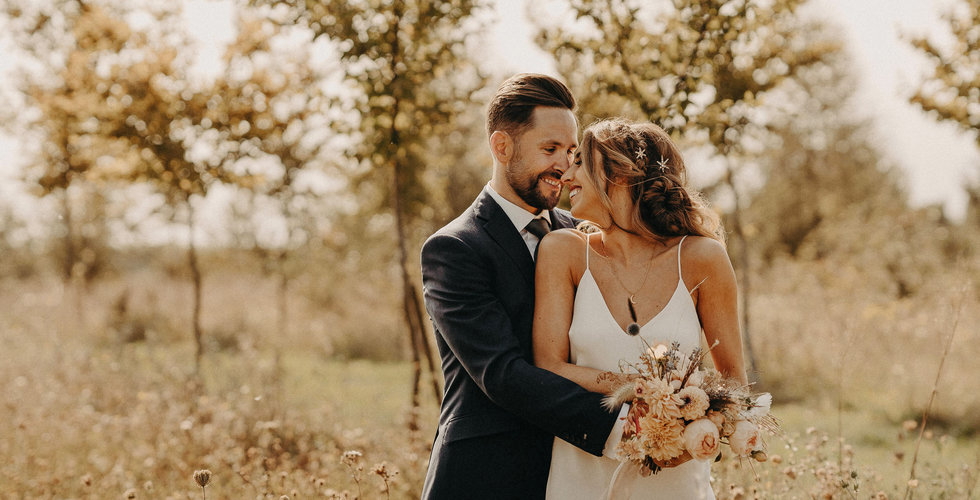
[633, 329]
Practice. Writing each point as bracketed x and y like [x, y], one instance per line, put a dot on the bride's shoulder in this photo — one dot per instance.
[568, 234]
[563, 244]
[704, 251]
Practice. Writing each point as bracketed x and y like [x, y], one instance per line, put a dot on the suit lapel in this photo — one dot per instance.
[502, 231]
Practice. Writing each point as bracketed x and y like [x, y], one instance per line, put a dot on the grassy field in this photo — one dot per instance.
[91, 410]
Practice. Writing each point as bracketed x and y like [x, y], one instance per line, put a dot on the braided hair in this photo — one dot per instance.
[641, 157]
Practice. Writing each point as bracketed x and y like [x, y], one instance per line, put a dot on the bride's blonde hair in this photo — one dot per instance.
[641, 157]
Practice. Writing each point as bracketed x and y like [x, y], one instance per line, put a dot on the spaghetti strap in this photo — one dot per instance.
[588, 243]
[679, 256]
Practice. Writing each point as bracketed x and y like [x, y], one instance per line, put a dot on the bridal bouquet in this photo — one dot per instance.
[678, 406]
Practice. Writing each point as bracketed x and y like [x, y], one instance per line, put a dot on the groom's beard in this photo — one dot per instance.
[528, 187]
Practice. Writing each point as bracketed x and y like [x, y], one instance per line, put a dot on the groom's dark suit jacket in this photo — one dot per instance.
[500, 412]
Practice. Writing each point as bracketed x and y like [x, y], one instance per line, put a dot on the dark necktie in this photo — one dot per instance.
[538, 227]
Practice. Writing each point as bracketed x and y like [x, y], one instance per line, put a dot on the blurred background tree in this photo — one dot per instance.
[952, 91]
[274, 110]
[410, 78]
[67, 40]
[700, 69]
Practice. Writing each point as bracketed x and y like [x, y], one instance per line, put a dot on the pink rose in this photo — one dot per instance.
[701, 439]
[745, 438]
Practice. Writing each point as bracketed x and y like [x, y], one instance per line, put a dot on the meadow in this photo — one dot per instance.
[102, 400]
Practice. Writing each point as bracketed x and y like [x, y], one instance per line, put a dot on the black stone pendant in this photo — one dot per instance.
[633, 329]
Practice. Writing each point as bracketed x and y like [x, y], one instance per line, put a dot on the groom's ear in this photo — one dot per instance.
[501, 146]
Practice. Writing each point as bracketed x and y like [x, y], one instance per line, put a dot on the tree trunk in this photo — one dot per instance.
[70, 292]
[745, 278]
[410, 301]
[426, 348]
[196, 279]
[412, 310]
[282, 319]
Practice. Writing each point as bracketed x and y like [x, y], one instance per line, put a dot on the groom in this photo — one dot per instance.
[500, 412]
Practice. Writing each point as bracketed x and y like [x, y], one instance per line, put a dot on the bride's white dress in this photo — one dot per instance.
[597, 341]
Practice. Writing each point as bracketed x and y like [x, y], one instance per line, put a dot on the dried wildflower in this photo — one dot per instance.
[351, 457]
[202, 477]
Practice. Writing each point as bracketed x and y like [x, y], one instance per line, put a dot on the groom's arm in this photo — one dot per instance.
[460, 298]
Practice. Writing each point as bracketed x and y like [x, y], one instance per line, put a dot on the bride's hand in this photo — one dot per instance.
[674, 462]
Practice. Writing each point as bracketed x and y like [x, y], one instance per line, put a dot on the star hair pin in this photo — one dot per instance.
[662, 165]
[640, 154]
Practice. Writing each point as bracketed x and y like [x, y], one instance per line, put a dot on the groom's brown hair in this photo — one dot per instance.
[512, 106]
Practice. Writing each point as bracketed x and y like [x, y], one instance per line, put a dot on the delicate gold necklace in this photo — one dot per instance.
[633, 328]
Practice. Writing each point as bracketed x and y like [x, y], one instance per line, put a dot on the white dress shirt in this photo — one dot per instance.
[520, 218]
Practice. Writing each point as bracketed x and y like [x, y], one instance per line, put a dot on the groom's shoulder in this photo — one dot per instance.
[462, 229]
[565, 218]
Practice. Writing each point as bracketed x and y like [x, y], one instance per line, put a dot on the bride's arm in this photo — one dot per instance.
[560, 264]
[707, 262]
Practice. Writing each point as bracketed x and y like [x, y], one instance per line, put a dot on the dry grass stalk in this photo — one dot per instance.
[913, 482]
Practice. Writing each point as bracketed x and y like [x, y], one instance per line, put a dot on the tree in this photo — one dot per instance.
[700, 69]
[274, 109]
[406, 63]
[952, 91]
[839, 202]
[65, 41]
[145, 107]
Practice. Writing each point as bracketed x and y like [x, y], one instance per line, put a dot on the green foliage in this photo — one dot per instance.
[952, 91]
[410, 78]
[691, 66]
[826, 185]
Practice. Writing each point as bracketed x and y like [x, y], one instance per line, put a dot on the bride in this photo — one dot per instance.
[650, 264]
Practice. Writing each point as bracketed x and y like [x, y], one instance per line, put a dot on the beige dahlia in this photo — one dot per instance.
[693, 402]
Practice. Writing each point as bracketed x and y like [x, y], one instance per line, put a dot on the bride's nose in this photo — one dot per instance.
[569, 173]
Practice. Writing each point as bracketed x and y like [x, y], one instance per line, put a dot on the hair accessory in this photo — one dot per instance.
[640, 154]
[662, 165]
